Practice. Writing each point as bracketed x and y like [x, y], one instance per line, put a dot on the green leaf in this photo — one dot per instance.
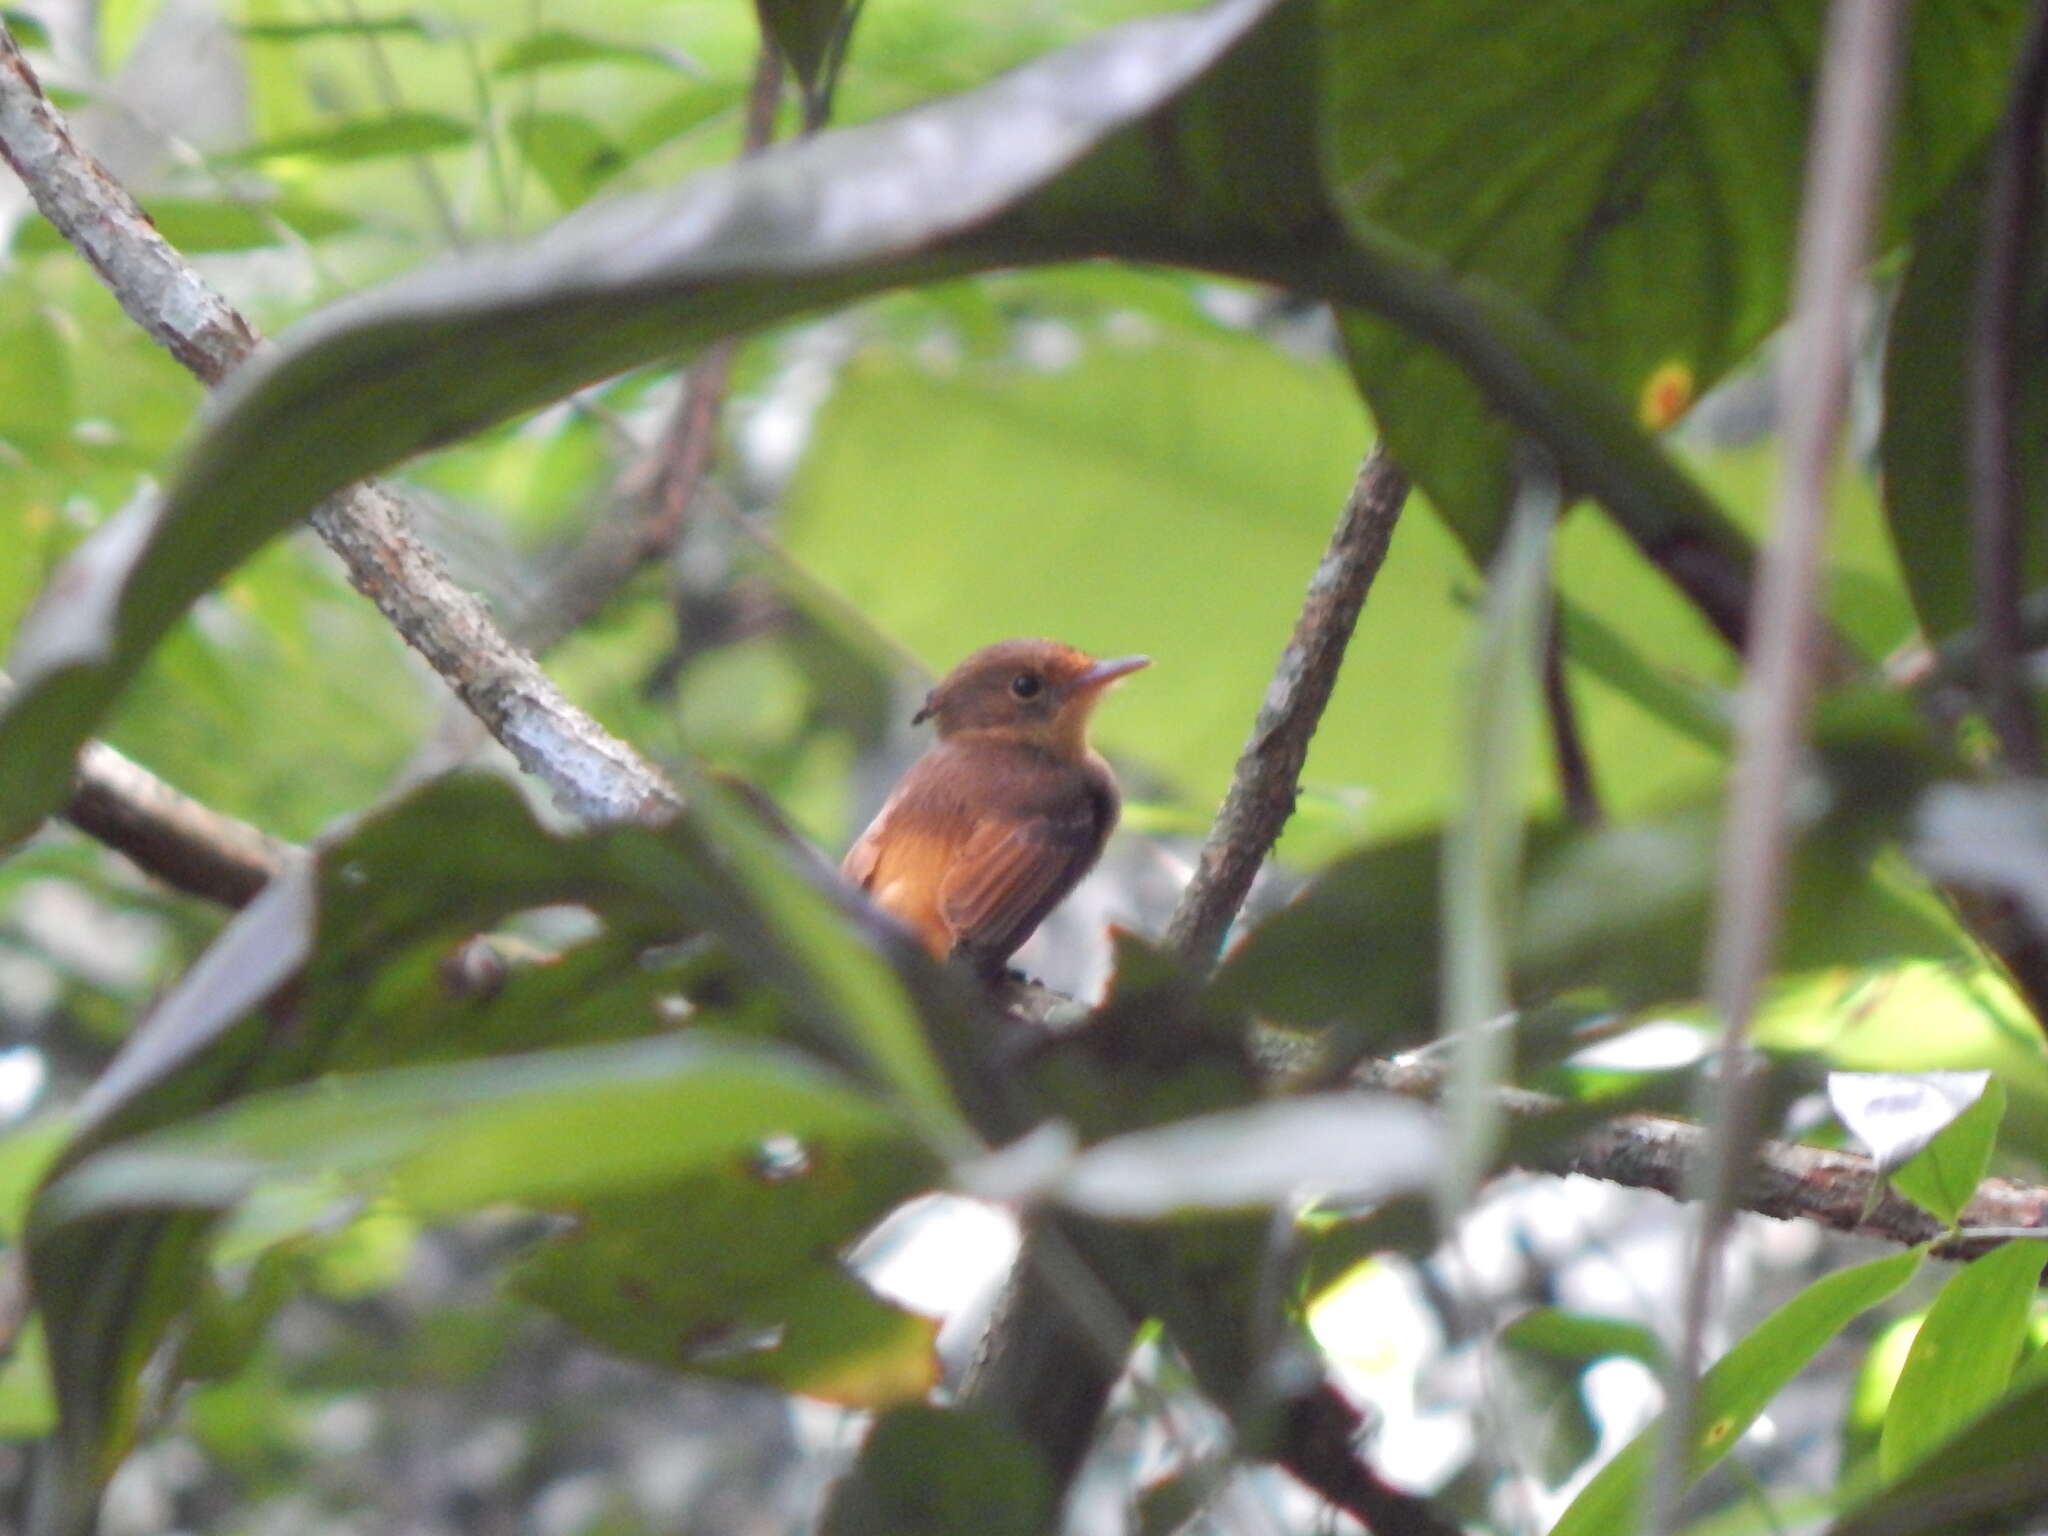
[761, 1298]
[793, 931]
[465, 344]
[455, 1137]
[363, 939]
[367, 138]
[25, 29]
[1582, 1338]
[1990, 1477]
[570, 154]
[37, 408]
[1897, 1114]
[562, 47]
[677, 115]
[28, 1406]
[1944, 1178]
[1689, 707]
[1926, 402]
[198, 225]
[1621, 908]
[400, 24]
[1482, 863]
[1739, 1386]
[1962, 1358]
[1630, 174]
[942, 1472]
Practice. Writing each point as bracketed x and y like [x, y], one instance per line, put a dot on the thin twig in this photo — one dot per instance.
[2011, 214]
[1567, 745]
[667, 482]
[1845, 169]
[591, 773]
[1262, 790]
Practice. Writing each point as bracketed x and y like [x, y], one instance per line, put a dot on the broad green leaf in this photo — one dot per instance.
[473, 342]
[1621, 908]
[1738, 1387]
[1962, 1358]
[942, 1472]
[1926, 407]
[198, 225]
[368, 138]
[1630, 173]
[562, 47]
[363, 939]
[761, 1297]
[1990, 1477]
[1944, 1178]
[570, 154]
[458, 1136]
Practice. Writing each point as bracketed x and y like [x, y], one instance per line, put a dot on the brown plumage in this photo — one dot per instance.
[1005, 813]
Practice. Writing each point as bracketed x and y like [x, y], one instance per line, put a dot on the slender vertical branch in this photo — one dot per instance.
[675, 470]
[2008, 249]
[1262, 790]
[1844, 173]
[1567, 746]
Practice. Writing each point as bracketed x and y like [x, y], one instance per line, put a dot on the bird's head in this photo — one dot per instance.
[1037, 691]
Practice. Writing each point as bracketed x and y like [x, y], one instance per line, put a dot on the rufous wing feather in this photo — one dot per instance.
[1008, 876]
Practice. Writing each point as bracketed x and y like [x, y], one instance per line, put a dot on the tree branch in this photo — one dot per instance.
[591, 773]
[665, 484]
[1783, 1179]
[1262, 789]
[166, 833]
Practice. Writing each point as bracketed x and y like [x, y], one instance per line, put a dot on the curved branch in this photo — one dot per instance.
[590, 772]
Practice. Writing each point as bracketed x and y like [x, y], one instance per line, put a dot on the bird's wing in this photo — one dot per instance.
[1009, 874]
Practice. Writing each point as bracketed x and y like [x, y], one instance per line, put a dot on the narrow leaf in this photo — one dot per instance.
[1738, 1388]
[370, 138]
[1962, 1358]
[1482, 870]
[562, 48]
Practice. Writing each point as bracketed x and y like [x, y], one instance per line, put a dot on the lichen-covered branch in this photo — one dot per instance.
[1262, 789]
[590, 772]
[1788, 1180]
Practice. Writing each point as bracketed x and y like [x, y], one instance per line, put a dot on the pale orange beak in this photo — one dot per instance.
[1103, 673]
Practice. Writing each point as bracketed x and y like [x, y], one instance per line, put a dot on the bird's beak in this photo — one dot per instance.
[1103, 673]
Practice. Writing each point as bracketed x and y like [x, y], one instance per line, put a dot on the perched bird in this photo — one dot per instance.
[1006, 811]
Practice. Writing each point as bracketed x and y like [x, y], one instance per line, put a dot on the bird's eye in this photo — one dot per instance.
[1026, 685]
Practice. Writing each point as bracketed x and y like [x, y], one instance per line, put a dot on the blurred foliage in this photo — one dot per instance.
[1125, 454]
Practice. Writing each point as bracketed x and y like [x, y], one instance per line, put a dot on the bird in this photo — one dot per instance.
[1005, 812]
